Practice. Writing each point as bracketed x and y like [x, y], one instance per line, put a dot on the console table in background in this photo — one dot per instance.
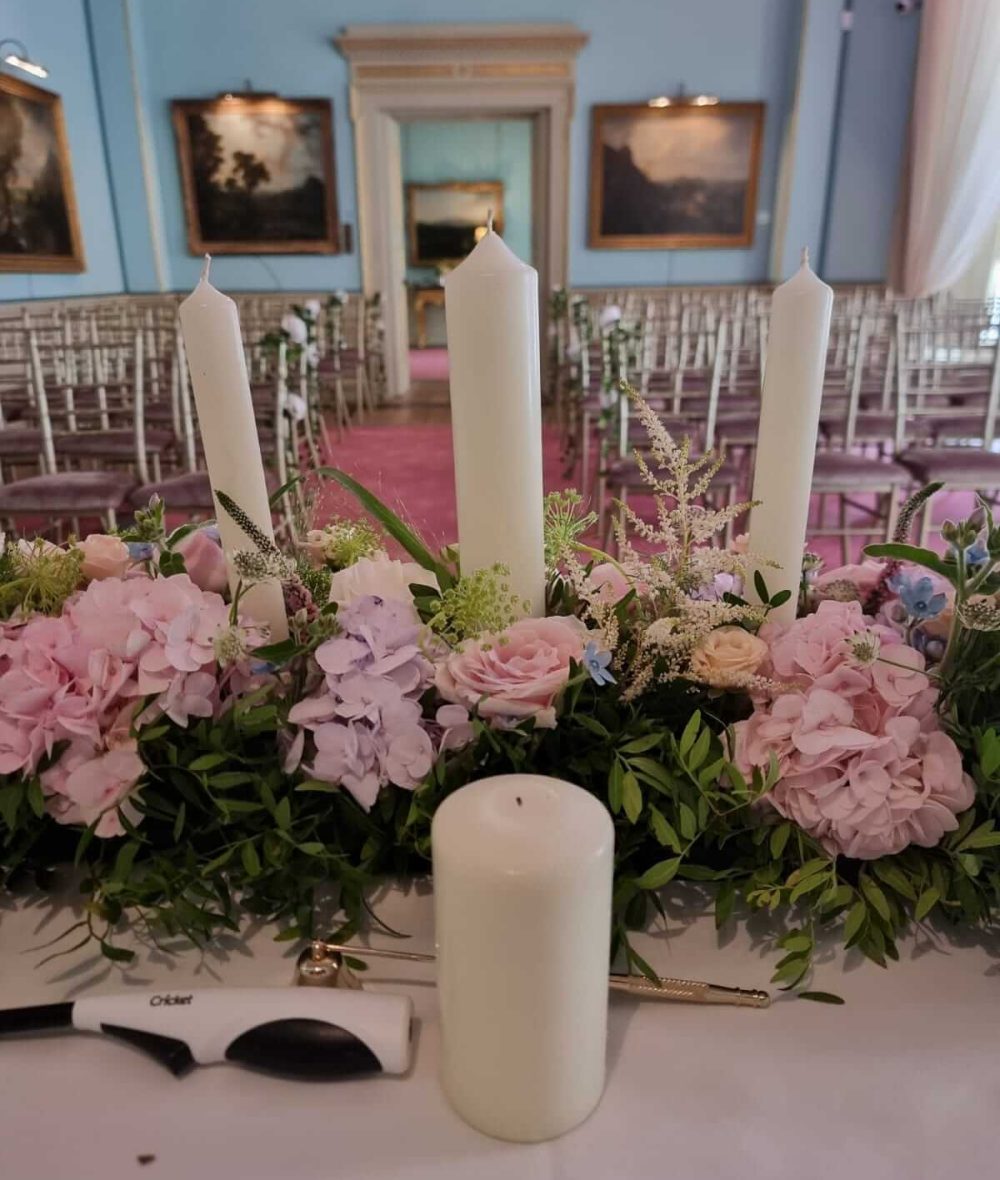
[422, 298]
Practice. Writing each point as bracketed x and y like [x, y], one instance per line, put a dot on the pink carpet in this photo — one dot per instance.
[428, 364]
[411, 468]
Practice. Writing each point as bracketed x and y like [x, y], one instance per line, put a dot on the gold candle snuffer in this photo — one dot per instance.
[322, 964]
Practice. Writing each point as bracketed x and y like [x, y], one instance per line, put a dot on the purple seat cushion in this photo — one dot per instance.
[110, 444]
[191, 491]
[16, 443]
[967, 465]
[75, 493]
[836, 471]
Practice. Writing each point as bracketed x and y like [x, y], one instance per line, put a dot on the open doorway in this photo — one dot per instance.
[402, 73]
[455, 174]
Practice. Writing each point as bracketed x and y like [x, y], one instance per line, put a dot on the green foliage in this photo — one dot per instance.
[36, 576]
[477, 604]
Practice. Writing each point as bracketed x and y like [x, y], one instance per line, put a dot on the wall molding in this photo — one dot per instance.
[400, 72]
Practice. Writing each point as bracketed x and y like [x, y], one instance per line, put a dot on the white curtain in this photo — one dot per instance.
[954, 182]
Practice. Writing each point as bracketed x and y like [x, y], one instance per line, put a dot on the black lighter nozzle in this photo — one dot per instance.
[36, 1019]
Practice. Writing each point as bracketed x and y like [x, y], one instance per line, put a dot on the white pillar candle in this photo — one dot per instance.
[210, 325]
[491, 309]
[789, 425]
[522, 903]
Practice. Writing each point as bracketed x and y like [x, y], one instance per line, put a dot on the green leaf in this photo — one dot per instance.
[317, 785]
[690, 732]
[895, 878]
[277, 653]
[251, 860]
[179, 822]
[925, 903]
[116, 954]
[760, 586]
[631, 796]
[227, 779]
[36, 800]
[653, 770]
[615, 787]
[779, 838]
[312, 848]
[808, 885]
[592, 724]
[663, 830]
[876, 898]
[983, 837]
[795, 941]
[687, 820]
[780, 598]
[659, 874]
[821, 997]
[925, 557]
[989, 753]
[855, 920]
[124, 860]
[150, 733]
[208, 762]
[10, 801]
[699, 751]
[283, 814]
[791, 972]
[641, 745]
[392, 525]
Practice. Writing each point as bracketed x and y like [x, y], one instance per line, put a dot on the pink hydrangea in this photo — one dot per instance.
[80, 678]
[864, 764]
[517, 674]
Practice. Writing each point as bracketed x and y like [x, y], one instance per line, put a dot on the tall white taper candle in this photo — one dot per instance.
[522, 906]
[789, 425]
[491, 307]
[210, 324]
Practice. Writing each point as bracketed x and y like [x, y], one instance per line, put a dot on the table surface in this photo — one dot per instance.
[902, 1082]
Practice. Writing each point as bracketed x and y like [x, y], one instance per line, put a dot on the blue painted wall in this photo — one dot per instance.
[55, 33]
[434, 151]
[874, 117]
[739, 49]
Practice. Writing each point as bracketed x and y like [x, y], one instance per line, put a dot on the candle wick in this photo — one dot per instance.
[520, 801]
[204, 269]
[805, 255]
[489, 230]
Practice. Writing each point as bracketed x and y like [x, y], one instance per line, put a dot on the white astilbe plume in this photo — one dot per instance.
[672, 611]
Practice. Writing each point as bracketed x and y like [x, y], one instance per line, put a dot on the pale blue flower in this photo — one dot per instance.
[918, 596]
[597, 662]
[140, 550]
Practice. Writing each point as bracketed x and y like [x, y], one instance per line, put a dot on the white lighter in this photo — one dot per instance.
[320, 1035]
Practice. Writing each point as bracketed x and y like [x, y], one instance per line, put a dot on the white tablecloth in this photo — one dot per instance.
[902, 1082]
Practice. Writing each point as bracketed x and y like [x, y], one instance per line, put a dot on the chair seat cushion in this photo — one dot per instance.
[20, 444]
[111, 444]
[192, 490]
[73, 493]
[967, 465]
[837, 471]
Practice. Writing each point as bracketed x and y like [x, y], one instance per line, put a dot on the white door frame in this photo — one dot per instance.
[401, 72]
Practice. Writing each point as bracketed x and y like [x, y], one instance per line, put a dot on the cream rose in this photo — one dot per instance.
[727, 656]
[382, 577]
[103, 557]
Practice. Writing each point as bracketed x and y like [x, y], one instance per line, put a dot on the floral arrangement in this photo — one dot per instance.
[842, 770]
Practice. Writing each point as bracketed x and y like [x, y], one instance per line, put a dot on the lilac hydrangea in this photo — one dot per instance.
[366, 721]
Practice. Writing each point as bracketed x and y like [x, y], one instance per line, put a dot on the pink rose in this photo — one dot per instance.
[103, 557]
[204, 561]
[517, 674]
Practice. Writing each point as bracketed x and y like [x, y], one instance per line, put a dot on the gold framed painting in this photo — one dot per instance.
[39, 228]
[444, 221]
[676, 177]
[257, 174]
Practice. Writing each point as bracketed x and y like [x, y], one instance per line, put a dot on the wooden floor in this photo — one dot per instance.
[425, 403]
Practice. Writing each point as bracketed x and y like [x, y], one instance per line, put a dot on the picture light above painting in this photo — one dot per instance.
[39, 230]
[674, 176]
[258, 174]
